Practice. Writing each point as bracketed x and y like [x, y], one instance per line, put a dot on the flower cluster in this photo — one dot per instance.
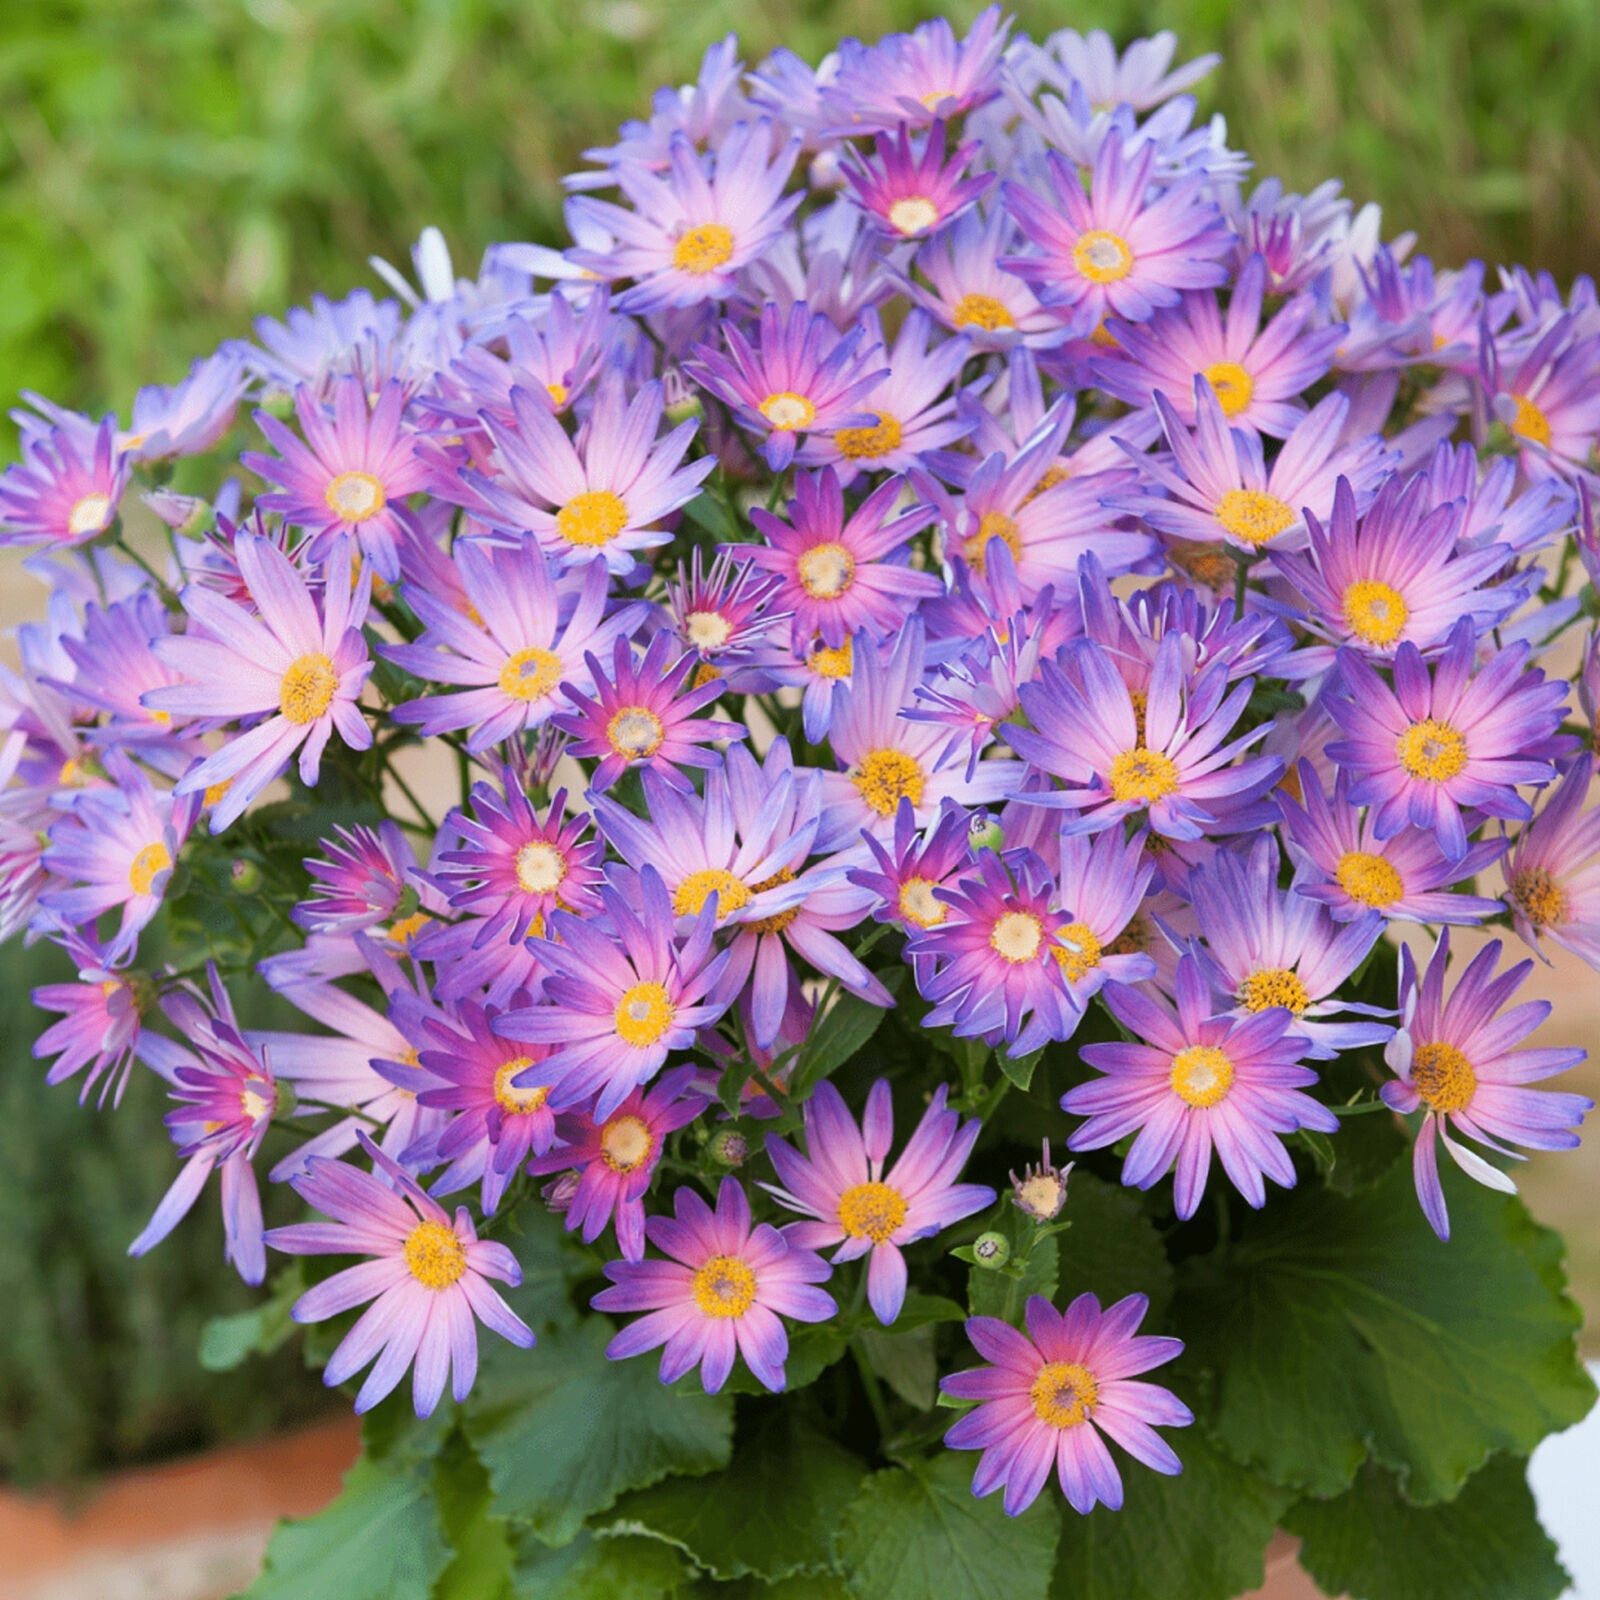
[936, 541]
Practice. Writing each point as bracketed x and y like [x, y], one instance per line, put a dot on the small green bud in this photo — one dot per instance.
[246, 875]
[991, 1250]
[985, 832]
[728, 1148]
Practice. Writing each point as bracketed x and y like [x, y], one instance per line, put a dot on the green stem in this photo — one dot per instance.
[869, 1381]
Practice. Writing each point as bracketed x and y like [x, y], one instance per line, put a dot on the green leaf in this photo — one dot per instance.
[228, 1342]
[813, 1348]
[1486, 1544]
[1020, 1069]
[482, 1542]
[808, 1586]
[1112, 1248]
[1341, 1328]
[592, 1568]
[920, 1310]
[845, 1028]
[919, 1531]
[904, 1359]
[382, 1539]
[772, 1513]
[1197, 1536]
[562, 1431]
[708, 513]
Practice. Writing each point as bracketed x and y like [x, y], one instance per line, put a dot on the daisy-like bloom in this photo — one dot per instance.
[315, 346]
[1053, 1391]
[1113, 251]
[691, 231]
[643, 716]
[841, 1183]
[912, 193]
[65, 490]
[1437, 744]
[841, 574]
[720, 1294]
[1340, 860]
[724, 614]
[1170, 762]
[604, 496]
[1548, 396]
[623, 992]
[101, 1019]
[910, 867]
[1194, 1082]
[429, 1280]
[1553, 871]
[299, 668]
[192, 416]
[1216, 485]
[1456, 1063]
[352, 473]
[358, 881]
[533, 637]
[616, 1157]
[801, 376]
[115, 848]
[1139, 79]
[1258, 373]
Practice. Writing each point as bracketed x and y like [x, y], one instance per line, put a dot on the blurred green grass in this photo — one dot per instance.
[169, 168]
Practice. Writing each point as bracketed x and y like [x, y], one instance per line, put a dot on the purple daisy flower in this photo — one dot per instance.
[1553, 871]
[1053, 1391]
[428, 1280]
[192, 416]
[60, 495]
[911, 193]
[841, 1183]
[101, 1020]
[721, 1293]
[358, 881]
[1456, 1062]
[1139, 79]
[723, 614]
[908, 870]
[1193, 1083]
[1547, 395]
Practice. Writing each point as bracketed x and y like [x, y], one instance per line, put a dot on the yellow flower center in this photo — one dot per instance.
[1368, 879]
[912, 214]
[703, 248]
[871, 1211]
[707, 630]
[530, 674]
[1432, 750]
[1052, 476]
[594, 517]
[635, 733]
[1536, 894]
[919, 905]
[1202, 1075]
[1375, 613]
[1443, 1076]
[981, 311]
[626, 1143]
[1143, 775]
[253, 1105]
[558, 394]
[724, 1287]
[779, 920]
[885, 777]
[307, 689]
[995, 525]
[833, 663]
[540, 867]
[1077, 951]
[785, 412]
[643, 1014]
[214, 793]
[1274, 986]
[1016, 937]
[517, 1101]
[147, 865]
[865, 444]
[826, 571]
[1064, 1394]
[1252, 516]
[1531, 422]
[434, 1255]
[691, 895]
[89, 515]
[401, 933]
[1102, 257]
[1235, 387]
[354, 496]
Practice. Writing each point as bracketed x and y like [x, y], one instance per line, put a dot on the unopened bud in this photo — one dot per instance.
[284, 1099]
[246, 875]
[991, 1250]
[984, 831]
[1041, 1191]
[681, 400]
[559, 1192]
[728, 1148]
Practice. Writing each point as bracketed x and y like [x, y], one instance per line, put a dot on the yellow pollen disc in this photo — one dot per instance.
[871, 1211]
[829, 663]
[626, 1143]
[724, 1287]
[1531, 423]
[410, 1057]
[703, 674]
[540, 867]
[1274, 986]
[510, 1098]
[643, 1014]
[530, 674]
[826, 571]
[1064, 1394]
[866, 444]
[354, 496]
[161, 718]
[934, 98]
[1016, 937]
[434, 1255]
[981, 311]
[1052, 476]
[635, 733]
[1535, 892]
[214, 793]
[71, 774]
[703, 248]
[919, 905]
[1201, 1075]
[779, 920]
[1443, 1076]
[1235, 387]
[1103, 337]
[1143, 775]
[1076, 950]
[1134, 940]
[1141, 703]
[1375, 613]
[691, 895]
[1252, 516]
[885, 776]
[913, 213]
[557, 393]
[307, 689]
[707, 630]
[89, 515]
[253, 1104]
[1102, 257]
[995, 525]
[785, 412]
[1368, 879]
[1432, 750]
[407, 928]
[594, 517]
[151, 861]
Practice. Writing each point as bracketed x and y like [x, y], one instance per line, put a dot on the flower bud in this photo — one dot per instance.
[1041, 1191]
[984, 831]
[991, 1250]
[728, 1148]
[559, 1192]
[246, 875]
